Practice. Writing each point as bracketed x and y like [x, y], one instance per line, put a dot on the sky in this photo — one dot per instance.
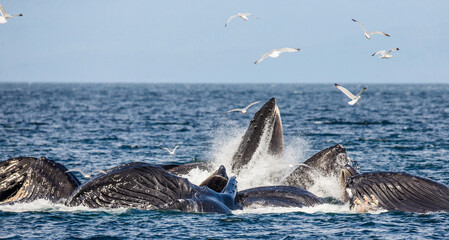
[178, 41]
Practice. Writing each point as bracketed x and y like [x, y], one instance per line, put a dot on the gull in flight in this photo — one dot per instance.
[243, 110]
[367, 34]
[5, 15]
[243, 16]
[84, 174]
[275, 53]
[353, 98]
[171, 152]
[385, 54]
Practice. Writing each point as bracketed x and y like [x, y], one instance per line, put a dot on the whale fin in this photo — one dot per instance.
[396, 192]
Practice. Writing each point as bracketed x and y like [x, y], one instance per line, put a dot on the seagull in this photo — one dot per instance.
[386, 54]
[6, 15]
[276, 52]
[173, 151]
[353, 98]
[371, 33]
[243, 110]
[84, 174]
[243, 16]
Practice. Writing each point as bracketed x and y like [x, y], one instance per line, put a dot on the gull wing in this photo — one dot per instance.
[168, 150]
[176, 147]
[252, 104]
[380, 52]
[78, 170]
[264, 56]
[360, 24]
[235, 110]
[345, 91]
[2, 11]
[229, 19]
[244, 14]
[378, 32]
[360, 93]
[394, 49]
[286, 49]
[100, 171]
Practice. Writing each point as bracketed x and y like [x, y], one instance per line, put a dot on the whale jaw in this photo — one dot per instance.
[266, 125]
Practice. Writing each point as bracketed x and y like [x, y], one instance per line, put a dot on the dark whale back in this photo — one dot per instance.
[145, 186]
[278, 196]
[396, 192]
[25, 179]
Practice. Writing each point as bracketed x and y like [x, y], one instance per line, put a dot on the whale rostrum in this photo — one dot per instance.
[267, 121]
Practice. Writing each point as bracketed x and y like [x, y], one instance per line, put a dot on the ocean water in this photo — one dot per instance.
[90, 126]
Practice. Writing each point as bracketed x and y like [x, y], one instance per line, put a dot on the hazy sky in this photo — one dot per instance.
[185, 41]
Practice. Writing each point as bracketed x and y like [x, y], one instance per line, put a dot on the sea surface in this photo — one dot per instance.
[90, 126]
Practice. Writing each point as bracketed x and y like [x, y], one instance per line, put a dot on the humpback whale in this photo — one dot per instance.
[278, 196]
[25, 179]
[266, 121]
[396, 191]
[274, 196]
[330, 162]
[145, 186]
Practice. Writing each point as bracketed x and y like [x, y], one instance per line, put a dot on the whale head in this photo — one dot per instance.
[265, 127]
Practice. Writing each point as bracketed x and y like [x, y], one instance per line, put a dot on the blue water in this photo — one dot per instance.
[394, 128]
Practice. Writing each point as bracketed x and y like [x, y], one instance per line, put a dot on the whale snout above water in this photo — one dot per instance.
[329, 162]
[267, 121]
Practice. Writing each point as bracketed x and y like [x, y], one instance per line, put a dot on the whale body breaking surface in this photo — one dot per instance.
[147, 186]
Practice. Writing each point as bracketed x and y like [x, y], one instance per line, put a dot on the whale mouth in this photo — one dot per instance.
[10, 193]
[346, 173]
[265, 126]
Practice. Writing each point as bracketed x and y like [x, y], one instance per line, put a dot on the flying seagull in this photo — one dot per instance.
[385, 54]
[84, 174]
[243, 16]
[5, 15]
[275, 53]
[243, 110]
[367, 34]
[353, 98]
[171, 152]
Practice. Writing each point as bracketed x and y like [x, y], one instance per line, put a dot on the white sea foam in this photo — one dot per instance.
[323, 208]
[42, 205]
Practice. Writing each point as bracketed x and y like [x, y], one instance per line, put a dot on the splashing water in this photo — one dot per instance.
[264, 169]
[41, 205]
